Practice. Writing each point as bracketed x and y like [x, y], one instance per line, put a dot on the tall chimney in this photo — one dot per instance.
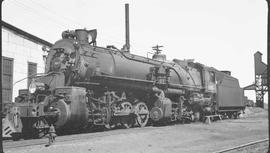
[127, 26]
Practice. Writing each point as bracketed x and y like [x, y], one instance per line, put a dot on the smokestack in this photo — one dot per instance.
[127, 26]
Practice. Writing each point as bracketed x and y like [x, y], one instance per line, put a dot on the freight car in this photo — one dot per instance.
[85, 85]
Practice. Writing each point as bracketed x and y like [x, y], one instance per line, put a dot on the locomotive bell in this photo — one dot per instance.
[159, 57]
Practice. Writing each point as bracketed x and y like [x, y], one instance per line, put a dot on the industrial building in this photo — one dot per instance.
[22, 56]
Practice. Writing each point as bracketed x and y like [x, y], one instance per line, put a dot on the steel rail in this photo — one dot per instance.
[65, 138]
[242, 146]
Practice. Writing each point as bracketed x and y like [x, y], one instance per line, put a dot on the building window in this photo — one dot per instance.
[32, 70]
[7, 79]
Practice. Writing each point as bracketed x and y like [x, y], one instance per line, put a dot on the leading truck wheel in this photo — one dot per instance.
[142, 114]
[127, 121]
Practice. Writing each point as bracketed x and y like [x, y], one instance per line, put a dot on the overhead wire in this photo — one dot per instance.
[54, 13]
[56, 21]
[69, 20]
[36, 13]
[30, 14]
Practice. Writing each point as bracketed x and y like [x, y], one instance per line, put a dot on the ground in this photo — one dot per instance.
[186, 138]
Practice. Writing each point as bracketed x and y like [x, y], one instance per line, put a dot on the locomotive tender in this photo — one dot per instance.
[86, 85]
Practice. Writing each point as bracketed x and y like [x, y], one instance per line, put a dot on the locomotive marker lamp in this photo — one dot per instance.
[45, 49]
[45, 53]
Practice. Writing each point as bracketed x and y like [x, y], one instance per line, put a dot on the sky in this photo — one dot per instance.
[218, 33]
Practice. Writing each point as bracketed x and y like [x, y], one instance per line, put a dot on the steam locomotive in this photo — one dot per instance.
[85, 85]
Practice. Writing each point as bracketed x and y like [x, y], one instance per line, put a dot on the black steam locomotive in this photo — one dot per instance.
[85, 85]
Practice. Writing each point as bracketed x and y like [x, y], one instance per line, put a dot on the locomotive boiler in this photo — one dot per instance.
[85, 85]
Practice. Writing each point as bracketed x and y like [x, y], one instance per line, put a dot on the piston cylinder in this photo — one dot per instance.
[73, 112]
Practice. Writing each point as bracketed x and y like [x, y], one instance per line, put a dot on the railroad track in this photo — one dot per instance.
[10, 144]
[251, 147]
[260, 146]
[73, 137]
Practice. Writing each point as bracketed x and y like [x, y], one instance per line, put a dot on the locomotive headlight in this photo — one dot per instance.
[36, 86]
[32, 87]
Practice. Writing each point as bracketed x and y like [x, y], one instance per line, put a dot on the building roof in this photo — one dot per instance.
[250, 87]
[258, 52]
[26, 34]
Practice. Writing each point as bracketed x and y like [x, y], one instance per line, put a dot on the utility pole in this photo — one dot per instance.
[1, 109]
[268, 51]
[268, 59]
